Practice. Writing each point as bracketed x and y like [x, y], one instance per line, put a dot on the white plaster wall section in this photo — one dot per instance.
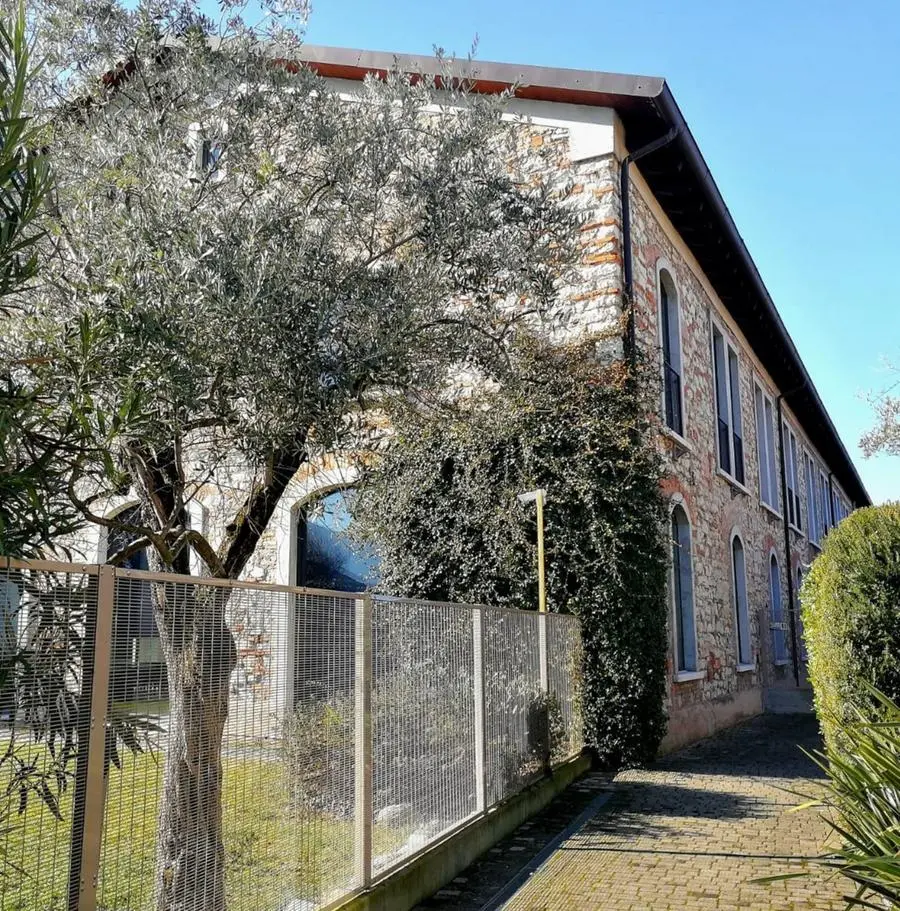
[591, 129]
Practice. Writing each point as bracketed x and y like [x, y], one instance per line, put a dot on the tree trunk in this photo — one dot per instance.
[200, 656]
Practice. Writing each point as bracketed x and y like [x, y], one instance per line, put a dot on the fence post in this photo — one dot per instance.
[478, 692]
[90, 769]
[362, 691]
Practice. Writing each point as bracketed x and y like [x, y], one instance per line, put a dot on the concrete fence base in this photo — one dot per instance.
[404, 887]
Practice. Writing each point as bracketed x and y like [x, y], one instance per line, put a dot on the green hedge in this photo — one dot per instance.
[441, 508]
[851, 615]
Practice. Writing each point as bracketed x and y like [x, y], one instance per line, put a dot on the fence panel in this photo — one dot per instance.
[49, 619]
[513, 699]
[358, 731]
[423, 725]
[287, 744]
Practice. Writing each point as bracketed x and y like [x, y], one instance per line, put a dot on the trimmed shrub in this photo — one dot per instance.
[441, 508]
[851, 616]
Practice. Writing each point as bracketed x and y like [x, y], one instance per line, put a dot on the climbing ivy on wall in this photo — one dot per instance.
[441, 507]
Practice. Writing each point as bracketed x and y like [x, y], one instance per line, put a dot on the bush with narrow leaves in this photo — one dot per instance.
[861, 801]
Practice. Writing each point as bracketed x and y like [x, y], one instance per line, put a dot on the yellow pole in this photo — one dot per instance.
[542, 582]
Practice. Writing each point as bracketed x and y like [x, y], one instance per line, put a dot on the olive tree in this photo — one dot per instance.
[242, 263]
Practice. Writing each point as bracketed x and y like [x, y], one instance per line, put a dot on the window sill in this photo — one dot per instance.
[675, 437]
[745, 668]
[816, 545]
[796, 530]
[771, 510]
[688, 676]
[734, 483]
[781, 662]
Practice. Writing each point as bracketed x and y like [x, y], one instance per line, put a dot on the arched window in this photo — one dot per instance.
[683, 593]
[325, 555]
[779, 643]
[742, 613]
[138, 670]
[670, 341]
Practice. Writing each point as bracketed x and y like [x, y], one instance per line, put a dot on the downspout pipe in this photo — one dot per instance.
[627, 260]
[789, 565]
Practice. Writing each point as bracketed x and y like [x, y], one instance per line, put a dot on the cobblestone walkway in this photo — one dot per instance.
[689, 834]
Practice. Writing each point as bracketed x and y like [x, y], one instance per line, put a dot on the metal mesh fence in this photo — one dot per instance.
[48, 626]
[423, 724]
[270, 673]
[564, 670]
[265, 747]
[513, 701]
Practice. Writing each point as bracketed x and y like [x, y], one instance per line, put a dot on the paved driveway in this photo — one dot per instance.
[689, 834]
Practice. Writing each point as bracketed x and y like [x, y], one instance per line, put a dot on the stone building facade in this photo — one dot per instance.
[672, 258]
[756, 472]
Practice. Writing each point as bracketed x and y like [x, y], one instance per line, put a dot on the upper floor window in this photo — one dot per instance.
[841, 508]
[208, 144]
[670, 340]
[765, 447]
[813, 501]
[825, 499]
[211, 154]
[779, 641]
[730, 435]
[792, 476]
[683, 593]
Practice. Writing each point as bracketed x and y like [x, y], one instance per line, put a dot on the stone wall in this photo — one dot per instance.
[716, 506]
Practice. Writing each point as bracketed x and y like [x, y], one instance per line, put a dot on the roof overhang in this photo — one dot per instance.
[682, 184]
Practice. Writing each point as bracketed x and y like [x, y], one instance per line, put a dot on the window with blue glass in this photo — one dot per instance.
[683, 593]
[326, 554]
[729, 424]
[670, 339]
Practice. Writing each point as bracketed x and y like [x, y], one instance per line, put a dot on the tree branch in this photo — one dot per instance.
[129, 550]
[204, 550]
[244, 531]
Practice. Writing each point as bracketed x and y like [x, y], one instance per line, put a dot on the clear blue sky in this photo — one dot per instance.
[796, 107]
